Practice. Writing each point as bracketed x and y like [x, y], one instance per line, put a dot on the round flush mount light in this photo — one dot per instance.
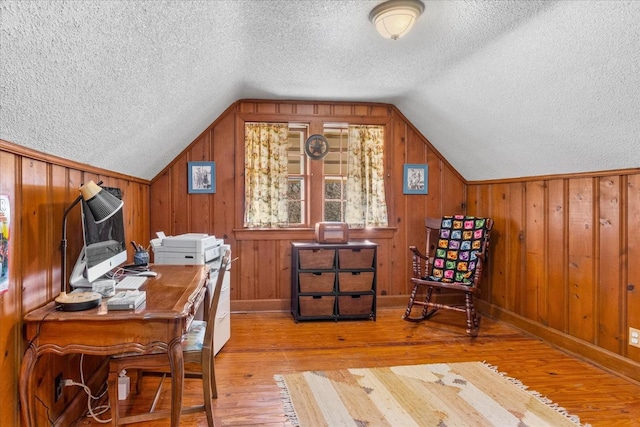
[395, 18]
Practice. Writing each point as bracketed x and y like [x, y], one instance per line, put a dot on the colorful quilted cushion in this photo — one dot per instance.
[459, 241]
[195, 337]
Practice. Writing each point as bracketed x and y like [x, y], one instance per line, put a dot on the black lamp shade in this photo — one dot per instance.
[101, 203]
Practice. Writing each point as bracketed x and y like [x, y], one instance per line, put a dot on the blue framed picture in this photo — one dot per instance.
[202, 177]
[416, 179]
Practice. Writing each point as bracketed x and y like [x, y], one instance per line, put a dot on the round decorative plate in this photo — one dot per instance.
[316, 147]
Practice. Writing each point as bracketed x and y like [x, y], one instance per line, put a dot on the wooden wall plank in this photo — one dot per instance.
[160, 205]
[632, 283]
[581, 249]
[223, 208]
[499, 243]
[557, 275]
[199, 204]
[516, 230]
[180, 197]
[535, 288]
[609, 290]
[11, 300]
[36, 207]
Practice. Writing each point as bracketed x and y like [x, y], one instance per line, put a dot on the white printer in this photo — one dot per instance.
[186, 249]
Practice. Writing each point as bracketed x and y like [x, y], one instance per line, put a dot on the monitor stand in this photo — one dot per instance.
[78, 277]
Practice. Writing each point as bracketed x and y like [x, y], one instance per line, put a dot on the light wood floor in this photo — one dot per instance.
[264, 344]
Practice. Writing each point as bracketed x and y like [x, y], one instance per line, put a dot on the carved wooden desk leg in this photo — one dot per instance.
[176, 361]
[26, 386]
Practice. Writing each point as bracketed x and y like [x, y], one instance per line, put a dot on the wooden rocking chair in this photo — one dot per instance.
[457, 248]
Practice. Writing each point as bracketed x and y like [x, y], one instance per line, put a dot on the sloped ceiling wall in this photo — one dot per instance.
[501, 88]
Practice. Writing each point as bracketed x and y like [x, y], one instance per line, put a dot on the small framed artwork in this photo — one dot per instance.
[416, 179]
[202, 177]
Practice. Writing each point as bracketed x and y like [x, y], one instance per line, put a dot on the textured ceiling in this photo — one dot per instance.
[501, 88]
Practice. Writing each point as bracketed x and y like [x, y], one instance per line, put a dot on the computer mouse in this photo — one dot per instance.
[147, 274]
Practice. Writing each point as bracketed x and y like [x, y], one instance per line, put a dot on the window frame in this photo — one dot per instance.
[314, 185]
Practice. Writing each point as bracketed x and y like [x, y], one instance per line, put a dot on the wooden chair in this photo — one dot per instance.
[199, 360]
[456, 250]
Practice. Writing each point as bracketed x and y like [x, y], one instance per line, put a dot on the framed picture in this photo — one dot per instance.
[202, 177]
[416, 179]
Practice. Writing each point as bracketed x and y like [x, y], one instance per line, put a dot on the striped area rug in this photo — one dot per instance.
[442, 394]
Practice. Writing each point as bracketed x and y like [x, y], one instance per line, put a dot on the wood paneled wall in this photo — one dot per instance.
[261, 277]
[40, 188]
[564, 260]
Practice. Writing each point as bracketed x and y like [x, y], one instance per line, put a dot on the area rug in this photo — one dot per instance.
[442, 394]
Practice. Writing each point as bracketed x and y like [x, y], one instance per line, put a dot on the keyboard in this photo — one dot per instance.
[128, 283]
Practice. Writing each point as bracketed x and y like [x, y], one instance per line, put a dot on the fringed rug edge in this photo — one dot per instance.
[544, 399]
[285, 398]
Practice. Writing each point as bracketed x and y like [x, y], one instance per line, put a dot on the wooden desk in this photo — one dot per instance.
[157, 325]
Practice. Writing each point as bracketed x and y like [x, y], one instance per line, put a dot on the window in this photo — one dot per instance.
[285, 188]
[335, 173]
[296, 175]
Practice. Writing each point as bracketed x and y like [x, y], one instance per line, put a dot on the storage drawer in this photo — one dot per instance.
[356, 258]
[317, 259]
[355, 304]
[317, 305]
[355, 281]
[317, 282]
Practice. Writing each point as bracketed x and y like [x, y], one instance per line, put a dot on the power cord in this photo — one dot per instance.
[100, 409]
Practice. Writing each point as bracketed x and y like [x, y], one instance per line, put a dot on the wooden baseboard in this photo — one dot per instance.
[588, 352]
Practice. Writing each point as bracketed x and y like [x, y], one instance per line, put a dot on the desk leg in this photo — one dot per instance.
[26, 386]
[176, 360]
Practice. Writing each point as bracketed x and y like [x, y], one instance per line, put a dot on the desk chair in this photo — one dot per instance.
[198, 362]
[457, 248]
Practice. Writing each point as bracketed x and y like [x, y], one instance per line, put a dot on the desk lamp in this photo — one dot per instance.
[102, 205]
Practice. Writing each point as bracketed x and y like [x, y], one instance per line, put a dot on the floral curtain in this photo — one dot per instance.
[365, 197]
[265, 181]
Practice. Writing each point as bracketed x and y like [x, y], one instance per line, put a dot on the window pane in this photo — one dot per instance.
[295, 212]
[335, 171]
[296, 197]
[295, 165]
[294, 200]
[332, 190]
[332, 211]
[293, 192]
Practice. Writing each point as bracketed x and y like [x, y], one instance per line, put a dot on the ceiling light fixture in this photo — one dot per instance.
[395, 18]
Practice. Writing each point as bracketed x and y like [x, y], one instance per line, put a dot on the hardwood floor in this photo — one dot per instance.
[264, 344]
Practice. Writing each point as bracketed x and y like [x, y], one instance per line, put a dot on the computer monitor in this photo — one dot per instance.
[104, 246]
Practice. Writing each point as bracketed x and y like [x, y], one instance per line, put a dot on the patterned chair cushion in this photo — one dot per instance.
[460, 240]
[195, 336]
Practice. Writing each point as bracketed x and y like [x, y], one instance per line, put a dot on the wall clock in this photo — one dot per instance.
[316, 147]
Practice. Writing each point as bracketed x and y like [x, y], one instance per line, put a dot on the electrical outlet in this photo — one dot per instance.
[634, 337]
[58, 386]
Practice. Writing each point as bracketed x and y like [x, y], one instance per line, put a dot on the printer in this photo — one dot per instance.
[186, 249]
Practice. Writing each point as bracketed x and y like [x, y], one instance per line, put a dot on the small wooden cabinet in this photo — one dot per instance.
[333, 281]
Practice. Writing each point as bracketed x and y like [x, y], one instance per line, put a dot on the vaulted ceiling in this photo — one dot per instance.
[501, 88]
